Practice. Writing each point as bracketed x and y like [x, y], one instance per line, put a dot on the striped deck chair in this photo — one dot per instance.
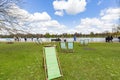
[82, 42]
[9, 41]
[70, 46]
[63, 46]
[86, 41]
[51, 63]
[38, 41]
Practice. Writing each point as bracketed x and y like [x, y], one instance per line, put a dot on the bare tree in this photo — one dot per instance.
[7, 20]
[118, 28]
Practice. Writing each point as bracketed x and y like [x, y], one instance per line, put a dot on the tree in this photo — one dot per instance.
[47, 35]
[91, 34]
[7, 20]
[118, 28]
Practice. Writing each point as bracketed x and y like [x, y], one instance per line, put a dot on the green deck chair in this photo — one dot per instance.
[86, 41]
[9, 41]
[70, 47]
[82, 42]
[63, 46]
[51, 63]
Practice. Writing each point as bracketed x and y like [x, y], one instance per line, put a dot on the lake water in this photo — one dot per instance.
[49, 39]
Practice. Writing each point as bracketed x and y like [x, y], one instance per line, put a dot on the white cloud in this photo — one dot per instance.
[52, 24]
[105, 22]
[95, 25]
[42, 22]
[22, 14]
[36, 22]
[99, 2]
[40, 16]
[110, 14]
[71, 7]
[59, 13]
[15, 11]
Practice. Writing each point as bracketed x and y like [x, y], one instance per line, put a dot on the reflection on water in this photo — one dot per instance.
[49, 39]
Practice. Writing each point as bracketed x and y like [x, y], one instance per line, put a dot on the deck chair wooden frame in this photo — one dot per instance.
[45, 65]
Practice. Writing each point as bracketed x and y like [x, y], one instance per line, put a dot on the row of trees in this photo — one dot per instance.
[47, 35]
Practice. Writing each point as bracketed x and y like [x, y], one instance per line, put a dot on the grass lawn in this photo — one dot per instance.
[97, 61]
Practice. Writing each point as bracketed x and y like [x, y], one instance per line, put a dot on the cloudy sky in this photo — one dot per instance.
[67, 16]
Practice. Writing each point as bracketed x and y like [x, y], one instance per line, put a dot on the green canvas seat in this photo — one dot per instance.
[70, 46]
[86, 41]
[82, 42]
[63, 45]
[52, 68]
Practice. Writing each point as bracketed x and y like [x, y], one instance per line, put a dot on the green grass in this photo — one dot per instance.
[97, 61]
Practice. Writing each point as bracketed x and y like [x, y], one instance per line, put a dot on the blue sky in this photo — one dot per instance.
[73, 15]
[92, 9]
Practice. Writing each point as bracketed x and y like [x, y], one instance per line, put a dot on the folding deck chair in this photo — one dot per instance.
[51, 63]
[70, 46]
[38, 41]
[63, 46]
[84, 42]
[9, 41]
